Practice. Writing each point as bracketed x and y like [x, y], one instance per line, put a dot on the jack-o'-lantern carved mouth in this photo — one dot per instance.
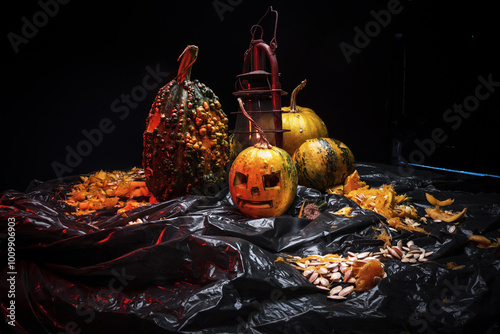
[255, 204]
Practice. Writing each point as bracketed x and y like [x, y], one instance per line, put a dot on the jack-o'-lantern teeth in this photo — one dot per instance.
[254, 204]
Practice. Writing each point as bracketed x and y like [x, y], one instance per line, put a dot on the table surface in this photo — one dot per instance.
[196, 264]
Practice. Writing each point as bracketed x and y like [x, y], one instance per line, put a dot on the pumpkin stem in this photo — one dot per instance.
[263, 142]
[293, 98]
[187, 58]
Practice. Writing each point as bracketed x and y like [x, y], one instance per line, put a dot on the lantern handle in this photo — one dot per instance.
[253, 62]
[274, 42]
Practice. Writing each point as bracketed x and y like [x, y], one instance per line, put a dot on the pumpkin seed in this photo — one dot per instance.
[323, 271]
[313, 277]
[317, 264]
[323, 281]
[336, 297]
[335, 276]
[345, 291]
[398, 250]
[362, 255]
[347, 274]
[335, 290]
[308, 272]
[322, 287]
[414, 249]
[393, 252]
[332, 265]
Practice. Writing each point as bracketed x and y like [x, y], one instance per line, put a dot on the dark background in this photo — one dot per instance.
[65, 79]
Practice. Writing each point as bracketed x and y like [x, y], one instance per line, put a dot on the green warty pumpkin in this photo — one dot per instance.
[185, 142]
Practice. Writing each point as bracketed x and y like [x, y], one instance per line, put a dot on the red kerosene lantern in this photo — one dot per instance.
[259, 88]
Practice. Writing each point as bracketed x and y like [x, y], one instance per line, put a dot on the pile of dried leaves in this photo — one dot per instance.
[121, 190]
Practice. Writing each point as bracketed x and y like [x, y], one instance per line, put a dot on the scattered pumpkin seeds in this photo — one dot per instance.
[340, 276]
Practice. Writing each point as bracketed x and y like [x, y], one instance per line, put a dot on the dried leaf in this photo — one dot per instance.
[103, 190]
[483, 242]
[345, 211]
[433, 201]
[437, 214]
[454, 266]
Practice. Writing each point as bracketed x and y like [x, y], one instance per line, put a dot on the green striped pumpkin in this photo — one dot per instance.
[322, 163]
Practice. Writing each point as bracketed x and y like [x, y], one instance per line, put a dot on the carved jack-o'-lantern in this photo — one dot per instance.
[263, 179]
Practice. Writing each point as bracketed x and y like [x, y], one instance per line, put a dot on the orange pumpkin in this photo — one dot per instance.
[262, 178]
[303, 123]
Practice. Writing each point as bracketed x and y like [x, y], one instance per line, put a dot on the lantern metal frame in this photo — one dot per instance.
[259, 88]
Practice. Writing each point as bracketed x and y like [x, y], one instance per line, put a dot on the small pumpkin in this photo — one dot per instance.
[185, 141]
[262, 178]
[302, 122]
[323, 163]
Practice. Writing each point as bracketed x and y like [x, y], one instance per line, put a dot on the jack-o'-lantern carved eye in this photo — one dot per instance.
[271, 181]
[240, 180]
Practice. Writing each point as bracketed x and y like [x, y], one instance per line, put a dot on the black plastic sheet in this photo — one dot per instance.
[197, 265]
